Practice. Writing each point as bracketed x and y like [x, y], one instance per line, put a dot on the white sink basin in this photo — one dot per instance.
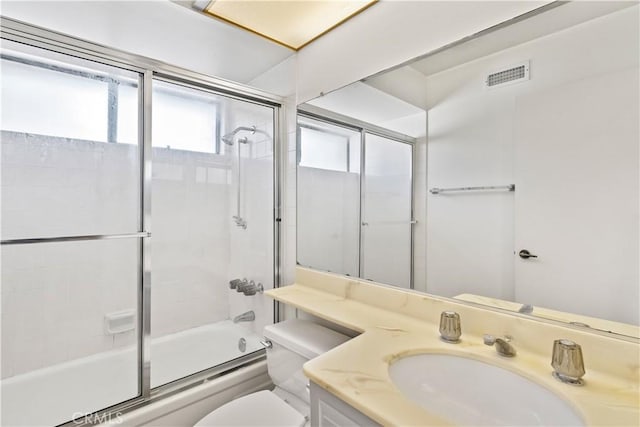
[467, 392]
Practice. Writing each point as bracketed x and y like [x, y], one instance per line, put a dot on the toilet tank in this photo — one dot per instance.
[294, 342]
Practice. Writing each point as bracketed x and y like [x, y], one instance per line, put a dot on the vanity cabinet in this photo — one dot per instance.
[329, 411]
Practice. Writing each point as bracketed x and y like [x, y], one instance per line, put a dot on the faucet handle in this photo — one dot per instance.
[234, 283]
[244, 285]
[450, 329]
[489, 339]
[253, 289]
[567, 362]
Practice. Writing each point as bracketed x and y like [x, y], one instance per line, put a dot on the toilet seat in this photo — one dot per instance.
[258, 409]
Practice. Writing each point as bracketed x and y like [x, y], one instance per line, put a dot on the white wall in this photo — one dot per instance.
[391, 32]
[470, 238]
[583, 225]
[158, 29]
[289, 217]
[280, 80]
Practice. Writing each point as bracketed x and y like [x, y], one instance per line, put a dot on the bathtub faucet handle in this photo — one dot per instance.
[235, 283]
[253, 289]
[243, 285]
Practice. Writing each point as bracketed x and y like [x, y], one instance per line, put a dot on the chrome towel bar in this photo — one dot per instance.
[510, 187]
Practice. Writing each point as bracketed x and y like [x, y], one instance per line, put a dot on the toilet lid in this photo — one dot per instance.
[256, 409]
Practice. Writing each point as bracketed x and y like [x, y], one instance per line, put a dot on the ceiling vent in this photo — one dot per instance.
[511, 75]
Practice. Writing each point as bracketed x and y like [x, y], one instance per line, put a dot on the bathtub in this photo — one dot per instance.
[59, 393]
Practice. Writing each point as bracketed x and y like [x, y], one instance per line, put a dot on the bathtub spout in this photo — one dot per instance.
[249, 316]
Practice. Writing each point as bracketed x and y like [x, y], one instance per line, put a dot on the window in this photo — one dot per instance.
[330, 148]
[69, 146]
[60, 99]
[185, 119]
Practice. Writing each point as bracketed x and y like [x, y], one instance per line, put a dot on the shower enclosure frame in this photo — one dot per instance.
[364, 128]
[149, 70]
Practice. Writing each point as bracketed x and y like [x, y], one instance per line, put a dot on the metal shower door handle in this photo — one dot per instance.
[525, 254]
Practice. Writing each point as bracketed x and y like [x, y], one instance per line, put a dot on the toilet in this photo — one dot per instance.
[292, 343]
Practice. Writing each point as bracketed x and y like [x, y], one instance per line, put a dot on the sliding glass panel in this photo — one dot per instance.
[386, 227]
[328, 197]
[69, 329]
[70, 159]
[212, 199]
[70, 167]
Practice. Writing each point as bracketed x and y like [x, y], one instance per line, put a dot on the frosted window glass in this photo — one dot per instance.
[184, 119]
[323, 150]
[60, 176]
[45, 102]
[48, 97]
[127, 114]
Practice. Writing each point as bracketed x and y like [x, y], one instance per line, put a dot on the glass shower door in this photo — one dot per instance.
[328, 202]
[212, 208]
[82, 182]
[71, 235]
[387, 211]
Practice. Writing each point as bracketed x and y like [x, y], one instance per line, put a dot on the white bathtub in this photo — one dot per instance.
[57, 394]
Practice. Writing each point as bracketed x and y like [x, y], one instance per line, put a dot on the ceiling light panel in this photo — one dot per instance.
[292, 23]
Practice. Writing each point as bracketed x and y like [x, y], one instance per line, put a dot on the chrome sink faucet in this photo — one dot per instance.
[503, 346]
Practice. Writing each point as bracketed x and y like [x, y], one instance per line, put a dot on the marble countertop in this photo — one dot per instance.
[357, 371]
[546, 313]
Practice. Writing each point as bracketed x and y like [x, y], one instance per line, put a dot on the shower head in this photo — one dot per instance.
[228, 138]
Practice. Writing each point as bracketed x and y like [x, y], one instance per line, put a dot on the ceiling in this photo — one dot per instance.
[293, 24]
[503, 37]
[369, 104]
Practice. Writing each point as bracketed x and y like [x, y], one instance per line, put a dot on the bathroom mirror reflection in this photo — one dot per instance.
[519, 185]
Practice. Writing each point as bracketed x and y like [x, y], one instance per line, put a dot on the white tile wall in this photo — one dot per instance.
[190, 240]
[290, 194]
[59, 186]
[59, 314]
[251, 249]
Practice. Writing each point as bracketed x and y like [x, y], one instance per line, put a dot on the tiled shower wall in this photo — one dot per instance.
[251, 249]
[55, 296]
[190, 239]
